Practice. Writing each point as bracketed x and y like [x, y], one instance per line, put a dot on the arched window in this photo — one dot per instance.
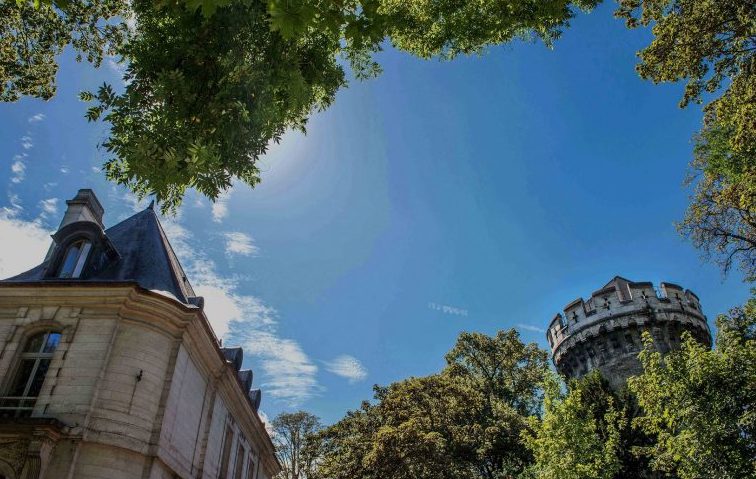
[30, 374]
[74, 259]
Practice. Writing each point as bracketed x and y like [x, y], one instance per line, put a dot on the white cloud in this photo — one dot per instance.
[64, 170]
[528, 327]
[19, 169]
[95, 169]
[36, 118]
[266, 422]
[240, 243]
[118, 67]
[135, 203]
[25, 243]
[220, 206]
[288, 373]
[131, 23]
[15, 202]
[49, 206]
[347, 367]
[26, 142]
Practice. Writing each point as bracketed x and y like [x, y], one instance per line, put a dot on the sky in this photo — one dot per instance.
[475, 195]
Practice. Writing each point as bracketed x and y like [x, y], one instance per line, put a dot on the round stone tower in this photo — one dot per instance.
[605, 331]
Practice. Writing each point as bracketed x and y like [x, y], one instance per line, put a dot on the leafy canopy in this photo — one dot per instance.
[580, 435]
[700, 405]
[712, 45]
[33, 35]
[210, 83]
[464, 422]
[295, 439]
[721, 218]
[205, 96]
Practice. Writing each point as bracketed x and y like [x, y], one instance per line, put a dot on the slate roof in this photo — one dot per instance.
[146, 257]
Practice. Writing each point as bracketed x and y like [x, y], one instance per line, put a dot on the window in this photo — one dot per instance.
[226, 453]
[30, 374]
[74, 260]
[251, 468]
[239, 468]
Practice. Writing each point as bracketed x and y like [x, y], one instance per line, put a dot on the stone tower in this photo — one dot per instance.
[604, 332]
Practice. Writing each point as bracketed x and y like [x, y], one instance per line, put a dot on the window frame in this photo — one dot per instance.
[251, 466]
[84, 247]
[226, 451]
[42, 353]
[241, 455]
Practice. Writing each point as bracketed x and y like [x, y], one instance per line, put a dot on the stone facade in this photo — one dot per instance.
[136, 384]
[604, 332]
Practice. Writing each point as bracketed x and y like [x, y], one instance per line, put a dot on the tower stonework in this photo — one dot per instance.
[604, 332]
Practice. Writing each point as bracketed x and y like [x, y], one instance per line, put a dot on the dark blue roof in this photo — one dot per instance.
[146, 257]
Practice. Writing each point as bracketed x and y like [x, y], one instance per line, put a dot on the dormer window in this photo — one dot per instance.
[75, 259]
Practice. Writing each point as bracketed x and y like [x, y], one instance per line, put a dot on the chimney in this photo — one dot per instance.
[83, 207]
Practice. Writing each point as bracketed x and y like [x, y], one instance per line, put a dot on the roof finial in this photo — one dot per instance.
[152, 204]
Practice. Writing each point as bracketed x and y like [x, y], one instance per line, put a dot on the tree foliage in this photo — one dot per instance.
[210, 83]
[32, 36]
[580, 435]
[704, 42]
[464, 422]
[700, 405]
[721, 218]
[295, 438]
[205, 96]
[712, 45]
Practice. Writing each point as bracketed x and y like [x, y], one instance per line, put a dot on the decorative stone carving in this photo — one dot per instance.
[13, 452]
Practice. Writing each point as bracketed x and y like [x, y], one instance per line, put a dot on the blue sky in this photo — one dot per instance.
[480, 194]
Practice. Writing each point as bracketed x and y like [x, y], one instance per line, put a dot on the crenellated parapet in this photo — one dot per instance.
[604, 332]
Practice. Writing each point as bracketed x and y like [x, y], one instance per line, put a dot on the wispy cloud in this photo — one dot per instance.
[64, 170]
[135, 204]
[347, 367]
[266, 422]
[118, 67]
[220, 207]
[18, 168]
[240, 243]
[529, 327]
[36, 118]
[27, 143]
[24, 242]
[446, 309]
[49, 207]
[289, 374]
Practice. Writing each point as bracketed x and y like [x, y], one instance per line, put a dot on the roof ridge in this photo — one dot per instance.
[182, 281]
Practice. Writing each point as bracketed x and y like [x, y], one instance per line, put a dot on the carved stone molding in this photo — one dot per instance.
[14, 452]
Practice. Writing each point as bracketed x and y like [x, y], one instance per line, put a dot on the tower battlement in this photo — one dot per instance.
[604, 331]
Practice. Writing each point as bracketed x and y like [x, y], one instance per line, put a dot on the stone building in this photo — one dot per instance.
[604, 332]
[109, 367]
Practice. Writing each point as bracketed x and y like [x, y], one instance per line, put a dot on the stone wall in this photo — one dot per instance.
[605, 331]
[137, 384]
